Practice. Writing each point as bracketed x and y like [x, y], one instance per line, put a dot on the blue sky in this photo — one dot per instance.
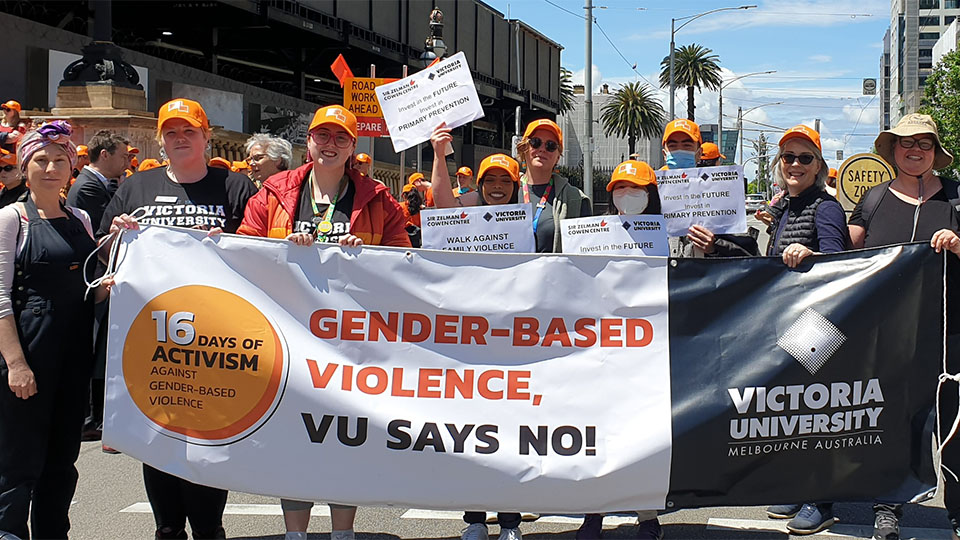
[821, 51]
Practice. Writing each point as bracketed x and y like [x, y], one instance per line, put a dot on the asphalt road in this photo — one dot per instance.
[110, 503]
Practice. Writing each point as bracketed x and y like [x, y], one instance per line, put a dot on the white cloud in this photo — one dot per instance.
[820, 58]
[577, 78]
[867, 116]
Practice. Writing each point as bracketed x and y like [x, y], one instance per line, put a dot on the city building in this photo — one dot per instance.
[609, 151]
[883, 84]
[915, 27]
[264, 65]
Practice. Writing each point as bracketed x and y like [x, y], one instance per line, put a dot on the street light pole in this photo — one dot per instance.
[720, 116]
[673, 30]
[588, 103]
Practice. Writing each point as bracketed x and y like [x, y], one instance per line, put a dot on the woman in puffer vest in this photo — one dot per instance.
[812, 220]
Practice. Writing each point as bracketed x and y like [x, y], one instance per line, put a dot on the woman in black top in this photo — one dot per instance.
[915, 206]
[186, 193]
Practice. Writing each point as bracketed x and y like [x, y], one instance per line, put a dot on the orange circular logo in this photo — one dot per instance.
[204, 364]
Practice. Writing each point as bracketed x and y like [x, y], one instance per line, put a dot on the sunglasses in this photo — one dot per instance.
[924, 144]
[340, 140]
[535, 143]
[804, 159]
[8, 168]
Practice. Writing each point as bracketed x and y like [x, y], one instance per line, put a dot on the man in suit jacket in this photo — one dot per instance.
[98, 181]
[92, 191]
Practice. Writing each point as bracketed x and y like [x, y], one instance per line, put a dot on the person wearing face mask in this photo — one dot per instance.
[919, 205]
[710, 155]
[681, 150]
[633, 191]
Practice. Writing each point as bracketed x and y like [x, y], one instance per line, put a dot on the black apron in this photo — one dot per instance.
[40, 436]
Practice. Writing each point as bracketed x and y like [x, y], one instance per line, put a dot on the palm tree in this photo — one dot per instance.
[566, 90]
[694, 67]
[633, 112]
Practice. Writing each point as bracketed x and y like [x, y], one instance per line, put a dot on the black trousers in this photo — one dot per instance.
[174, 500]
[506, 520]
[39, 445]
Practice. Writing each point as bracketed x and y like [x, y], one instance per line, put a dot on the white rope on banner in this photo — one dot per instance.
[112, 240]
[943, 378]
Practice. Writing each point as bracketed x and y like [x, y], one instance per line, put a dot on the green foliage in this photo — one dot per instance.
[633, 112]
[941, 100]
[752, 188]
[566, 90]
[695, 67]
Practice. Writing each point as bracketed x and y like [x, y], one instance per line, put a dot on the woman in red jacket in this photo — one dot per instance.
[326, 200]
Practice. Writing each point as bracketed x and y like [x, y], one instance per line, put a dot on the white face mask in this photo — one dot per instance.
[631, 201]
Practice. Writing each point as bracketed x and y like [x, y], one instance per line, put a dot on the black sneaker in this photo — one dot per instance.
[783, 511]
[886, 525]
[812, 518]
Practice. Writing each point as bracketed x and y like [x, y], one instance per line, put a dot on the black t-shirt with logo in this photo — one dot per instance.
[307, 221]
[217, 200]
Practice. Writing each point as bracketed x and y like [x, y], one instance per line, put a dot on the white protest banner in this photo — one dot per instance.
[378, 376]
[504, 228]
[616, 235]
[414, 105]
[708, 196]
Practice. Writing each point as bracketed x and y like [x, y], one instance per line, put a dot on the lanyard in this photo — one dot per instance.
[541, 205]
[326, 224]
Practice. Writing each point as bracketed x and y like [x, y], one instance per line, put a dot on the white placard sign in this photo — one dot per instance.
[414, 105]
[504, 228]
[616, 235]
[708, 196]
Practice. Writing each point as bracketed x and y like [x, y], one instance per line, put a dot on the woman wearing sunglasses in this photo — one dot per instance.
[812, 220]
[12, 186]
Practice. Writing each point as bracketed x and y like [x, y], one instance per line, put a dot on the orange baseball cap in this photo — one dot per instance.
[363, 158]
[238, 166]
[465, 171]
[711, 151]
[11, 105]
[544, 123]
[82, 150]
[220, 162]
[132, 149]
[502, 162]
[682, 125]
[408, 188]
[414, 177]
[148, 164]
[336, 115]
[635, 172]
[833, 173]
[189, 110]
[802, 132]
[7, 158]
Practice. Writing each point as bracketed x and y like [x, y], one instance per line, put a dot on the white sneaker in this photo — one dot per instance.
[475, 531]
[510, 534]
[342, 535]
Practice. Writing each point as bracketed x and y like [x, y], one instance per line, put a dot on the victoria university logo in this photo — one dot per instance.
[812, 340]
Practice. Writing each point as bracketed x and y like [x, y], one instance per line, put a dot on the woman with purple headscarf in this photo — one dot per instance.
[46, 332]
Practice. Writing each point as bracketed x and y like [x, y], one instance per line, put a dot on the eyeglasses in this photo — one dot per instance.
[804, 159]
[256, 158]
[8, 168]
[340, 140]
[924, 144]
[535, 143]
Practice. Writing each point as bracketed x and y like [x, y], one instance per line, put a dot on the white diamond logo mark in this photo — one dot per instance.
[812, 340]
